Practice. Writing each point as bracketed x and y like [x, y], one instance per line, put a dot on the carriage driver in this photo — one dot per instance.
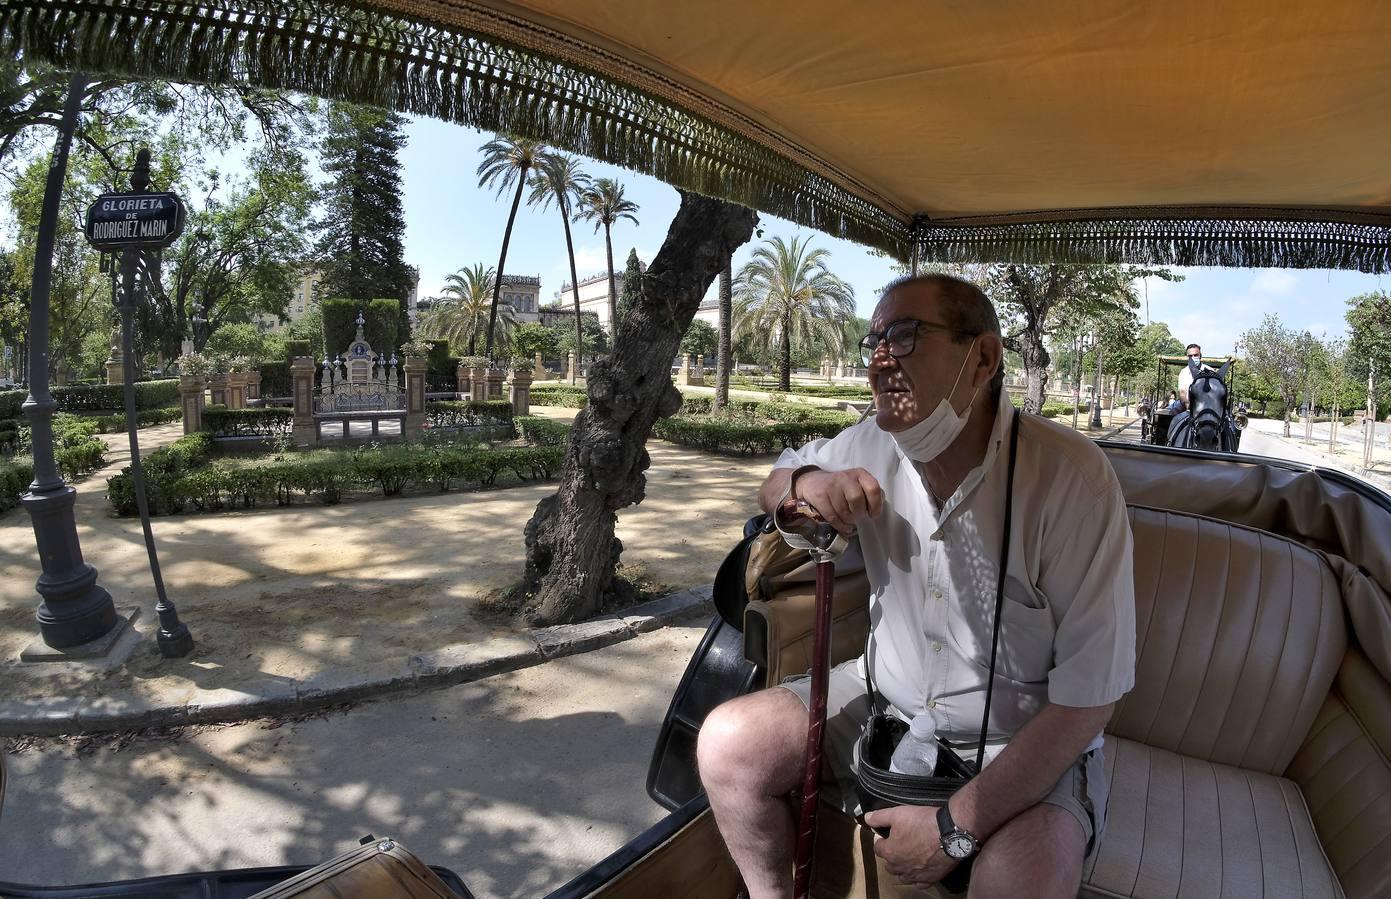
[923, 485]
[1185, 376]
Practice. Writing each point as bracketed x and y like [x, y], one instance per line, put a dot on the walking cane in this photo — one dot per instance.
[803, 531]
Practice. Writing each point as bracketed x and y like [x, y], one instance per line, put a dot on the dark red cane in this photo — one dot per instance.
[811, 770]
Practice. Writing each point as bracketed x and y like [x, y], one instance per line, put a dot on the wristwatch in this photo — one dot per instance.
[956, 843]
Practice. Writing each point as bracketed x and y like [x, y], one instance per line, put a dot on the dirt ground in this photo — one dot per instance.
[287, 592]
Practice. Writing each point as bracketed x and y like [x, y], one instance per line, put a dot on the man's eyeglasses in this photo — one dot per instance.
[901, 336]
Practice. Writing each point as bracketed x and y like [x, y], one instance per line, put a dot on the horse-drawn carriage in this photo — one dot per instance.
[1252, 757]
[1210, 420]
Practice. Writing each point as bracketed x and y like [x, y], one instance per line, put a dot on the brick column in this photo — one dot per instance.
[495, 378]
[302, 382]
[415, 398]
[462, 373]
[539, 373]
[236, 390]
[218, 385]
[191, 399]
[519, 388]
[479, 381]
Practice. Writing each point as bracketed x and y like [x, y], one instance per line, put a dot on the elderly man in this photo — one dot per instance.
[1185, 376]
[923, 484]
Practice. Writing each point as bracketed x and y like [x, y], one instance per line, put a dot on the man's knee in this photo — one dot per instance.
[1038, 853]
[752, 737]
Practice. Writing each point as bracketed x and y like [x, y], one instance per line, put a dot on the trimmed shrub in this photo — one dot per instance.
[454, 414]
[116, 424]
[275, 376]
[745, 435]
[163, 469]
[566, 396]
[1053, 409]
[101, 397]
[265, 422]
[15, 477]
[541, 431]
[340, 324]
[10, 401]
[295, 347]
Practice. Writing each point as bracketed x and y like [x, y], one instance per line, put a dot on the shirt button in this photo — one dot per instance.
[936, 594]
[932, 703]
[936, 647]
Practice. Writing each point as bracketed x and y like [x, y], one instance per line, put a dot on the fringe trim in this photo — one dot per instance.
[356, 52]
[1286, 239]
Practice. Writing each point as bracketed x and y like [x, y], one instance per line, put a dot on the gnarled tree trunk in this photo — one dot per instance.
[570, 544]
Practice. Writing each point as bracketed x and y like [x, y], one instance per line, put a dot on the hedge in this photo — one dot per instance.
[340, 324]
[15, 477]
[263, 422]
[1054, 409]
[454, 414]
[569, 397]
[542, 431]
[148, 395]
[116, 424]
[10, 401]
[326, 474]
[275, 378]
[716, 434]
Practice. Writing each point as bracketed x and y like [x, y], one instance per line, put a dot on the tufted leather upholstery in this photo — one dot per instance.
[1238, 636]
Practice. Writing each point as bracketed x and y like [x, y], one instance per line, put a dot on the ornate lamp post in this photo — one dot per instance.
[1096, 386]
[76, 614]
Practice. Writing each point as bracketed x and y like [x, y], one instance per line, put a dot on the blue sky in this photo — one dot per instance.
[452, 223]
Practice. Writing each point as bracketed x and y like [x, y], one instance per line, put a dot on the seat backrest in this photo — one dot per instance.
[1239, 634]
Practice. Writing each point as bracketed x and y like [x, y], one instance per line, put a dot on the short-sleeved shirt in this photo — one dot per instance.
[1185, 380]
[1067, 633]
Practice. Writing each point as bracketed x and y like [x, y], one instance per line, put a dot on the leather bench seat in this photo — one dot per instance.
[1179, 826]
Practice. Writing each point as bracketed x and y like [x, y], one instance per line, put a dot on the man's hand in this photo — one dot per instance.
[913, 849]
[840, 497]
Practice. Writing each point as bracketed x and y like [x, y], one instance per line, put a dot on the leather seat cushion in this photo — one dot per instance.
[1182, 827]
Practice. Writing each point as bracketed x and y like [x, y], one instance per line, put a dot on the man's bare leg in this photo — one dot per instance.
[750, 756]
[1037, 854]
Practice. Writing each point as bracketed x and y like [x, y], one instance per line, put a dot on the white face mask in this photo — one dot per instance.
[930, 437]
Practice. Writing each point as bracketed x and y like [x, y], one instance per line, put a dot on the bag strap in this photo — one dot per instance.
[876, 701]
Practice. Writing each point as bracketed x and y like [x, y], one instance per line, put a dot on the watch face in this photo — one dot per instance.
[959, 845]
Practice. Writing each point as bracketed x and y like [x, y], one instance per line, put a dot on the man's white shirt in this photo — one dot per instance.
[1067, 632]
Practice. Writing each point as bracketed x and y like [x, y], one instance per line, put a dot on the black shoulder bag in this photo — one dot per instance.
[878, 787]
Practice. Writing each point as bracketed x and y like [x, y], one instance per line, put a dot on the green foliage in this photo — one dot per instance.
[532, 338]
[560, 395]
[1053, 408]
[276, 379]
[148, 395]
[701, 339]
[15, 477]
[340, 324]
[361, 238]
[1369, 326]
[473, 413]
[596, 339]
[295, 347]
[631, 296]
[269, 421]
[147, 418]
[1280, 358]
[542, 431]
[243, 340]
[10, 401]
[745, 433]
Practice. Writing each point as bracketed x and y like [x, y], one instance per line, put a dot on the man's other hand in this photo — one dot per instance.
[912, 851]
[841, 497]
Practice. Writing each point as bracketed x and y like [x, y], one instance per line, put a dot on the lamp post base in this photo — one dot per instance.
[174, 644]
[107, 649]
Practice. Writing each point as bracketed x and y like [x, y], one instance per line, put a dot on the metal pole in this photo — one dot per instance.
[1096, 386]
[173, 637]
[75, 610]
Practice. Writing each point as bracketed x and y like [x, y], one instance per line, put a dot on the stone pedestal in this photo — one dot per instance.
[415, 398]
[191, 399]
[519, 389]
[827, 371]
[479, 381]
[569, 373]
[217, 384]
[538, 372]
[302, 382]
[691, 374]
[115, 371]
[465, 380]
[236, 390]
[253, 385]
[495, 378]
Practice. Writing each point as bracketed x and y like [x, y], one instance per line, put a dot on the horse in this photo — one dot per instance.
[1206, 424]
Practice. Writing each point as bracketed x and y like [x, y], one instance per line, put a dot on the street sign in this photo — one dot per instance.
[134, 220]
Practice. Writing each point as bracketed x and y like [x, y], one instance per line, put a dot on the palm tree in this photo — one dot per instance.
[465, 302]
[786, 292]
[726, 339]
[558, 179]
[506, 160]
[603, 204]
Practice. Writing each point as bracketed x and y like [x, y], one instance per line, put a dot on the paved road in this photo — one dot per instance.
[518, 782]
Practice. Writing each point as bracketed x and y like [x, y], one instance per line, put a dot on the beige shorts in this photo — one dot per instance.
[1081, 791]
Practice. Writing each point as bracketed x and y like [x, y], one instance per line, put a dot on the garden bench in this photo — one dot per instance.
[346, 418]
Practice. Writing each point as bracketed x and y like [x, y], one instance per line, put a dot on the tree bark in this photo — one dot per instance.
[570, 544]
[1034, 355]
[501, 260]
[726, 343]
[785, 362]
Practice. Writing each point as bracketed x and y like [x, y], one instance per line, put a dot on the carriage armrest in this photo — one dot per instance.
[778, 632]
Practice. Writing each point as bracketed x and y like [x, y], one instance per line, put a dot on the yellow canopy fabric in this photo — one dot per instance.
[1183, 132]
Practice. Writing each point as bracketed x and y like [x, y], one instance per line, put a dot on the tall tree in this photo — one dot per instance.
[506, 161]
[1032, 298]
[1369, 325]
[558, 179]
[603, 203]
[726, 343]
[361, 236]
[632, 285]
[458, 316]
[572, 552]
[786, 292]
[1280, 357]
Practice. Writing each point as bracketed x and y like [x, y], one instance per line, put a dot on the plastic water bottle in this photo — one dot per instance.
[916, 753]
